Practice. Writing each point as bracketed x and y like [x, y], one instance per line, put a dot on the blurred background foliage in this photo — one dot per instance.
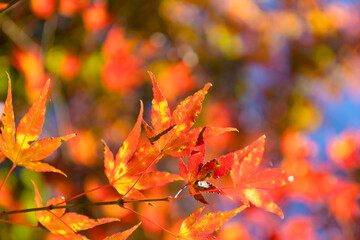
[287, 69]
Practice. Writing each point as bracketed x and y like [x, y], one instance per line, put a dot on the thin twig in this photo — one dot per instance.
[120, 202]
[67, 225]
[81, 194]
[7, 175]
[51, 207]
[198, 193]
[143, 173]
[18, 223]
[156, 224]
[165, 199]
[177, 194]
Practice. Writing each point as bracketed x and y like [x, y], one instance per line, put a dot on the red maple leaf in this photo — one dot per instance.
[249, 184]
[198, 173]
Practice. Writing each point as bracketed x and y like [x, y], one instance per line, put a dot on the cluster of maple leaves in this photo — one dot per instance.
[132, 169]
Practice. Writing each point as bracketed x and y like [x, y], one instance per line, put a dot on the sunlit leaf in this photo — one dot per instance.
[171, 133]
[248, 181]
[197, 228]
[22, 147]
[65, 224]
[122, 172]
[123, 235]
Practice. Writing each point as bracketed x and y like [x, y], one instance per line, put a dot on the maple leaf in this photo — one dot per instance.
[22, 147]
[250, 184]
[170, 133]
[64, 224]
[122, 173]
[197, 174]
[196, 228]
[123, 235]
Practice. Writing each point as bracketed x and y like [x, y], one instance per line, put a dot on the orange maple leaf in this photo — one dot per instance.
[64, 224]
[249, 184]
[122, 172]
[123, 235]
[171, 133]
[22, 147]
[195, 228]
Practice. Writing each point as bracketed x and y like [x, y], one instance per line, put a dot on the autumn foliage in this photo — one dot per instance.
[160, 120]
[132, 169]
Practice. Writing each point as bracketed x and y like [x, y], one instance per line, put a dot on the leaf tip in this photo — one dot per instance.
[8, 75]
[103, 143]
[67, 137]
[47, 84]
[280, 214]
[234, 129]
[9, 82]
[207, 86]
[61, 172]
[46, 87]
[152, 76]
[141, 107]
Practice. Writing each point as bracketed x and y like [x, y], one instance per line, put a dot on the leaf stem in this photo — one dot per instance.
[165, 199]
[197, 193]
[177, 194]
[18, 223]
[50, 207]
[81, 194]
[143, 173]
[67, 225]
[7, 175]
[119, 202]
[156, 224]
